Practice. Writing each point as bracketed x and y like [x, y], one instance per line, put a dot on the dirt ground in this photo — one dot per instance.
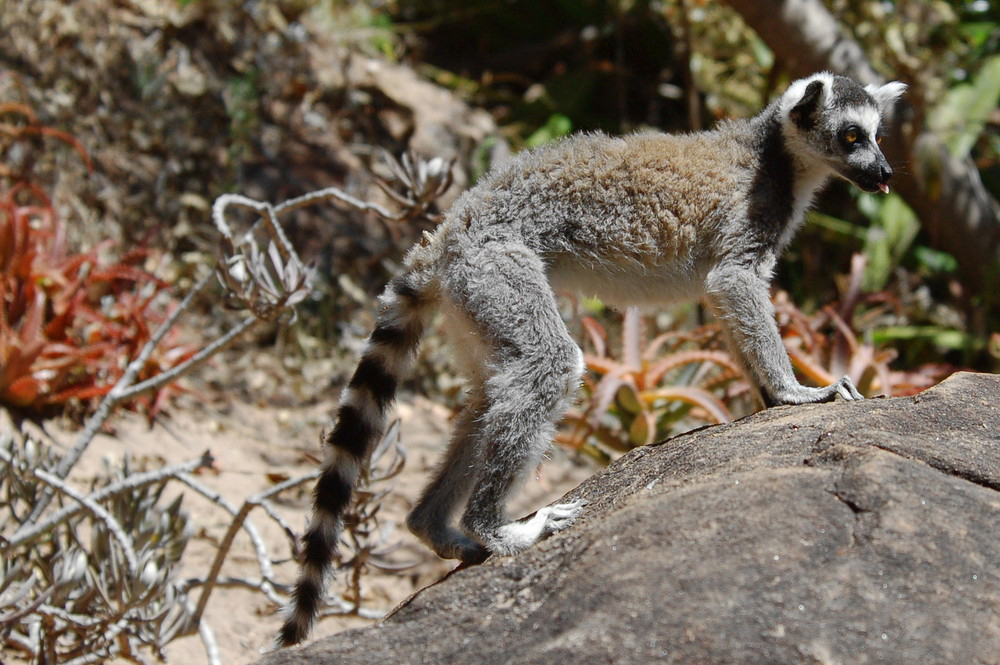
[250, 442]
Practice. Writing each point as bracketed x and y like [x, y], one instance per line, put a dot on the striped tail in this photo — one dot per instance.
[360, 423]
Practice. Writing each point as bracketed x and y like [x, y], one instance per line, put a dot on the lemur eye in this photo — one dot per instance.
[878, 139]
[851, 136]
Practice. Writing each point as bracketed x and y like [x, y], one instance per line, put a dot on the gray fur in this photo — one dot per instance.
[643, 219]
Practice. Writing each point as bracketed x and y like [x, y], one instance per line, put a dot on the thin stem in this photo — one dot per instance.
[177, 371]
[229, 582]
[334, 193]
[227, 541]
[277, 233]
[140, 361]
[219, 213]
[207, 638]
[220, 557]
[263, 560]
[129, 483]
[113, 526]
[267, 212]
[10, 618]
[75, 620]
[271, 512]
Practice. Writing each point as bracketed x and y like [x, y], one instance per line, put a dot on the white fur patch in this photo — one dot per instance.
[886, 95]
[517, 536]
[865, 117]
[793, 95]
[624, 283]
[343, 461]
[806, 186]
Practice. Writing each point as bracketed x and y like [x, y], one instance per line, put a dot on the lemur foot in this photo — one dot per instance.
[847, 390]
[473, 553]
[517, 536]
[562, 515]
[450, 543]
[805, 395]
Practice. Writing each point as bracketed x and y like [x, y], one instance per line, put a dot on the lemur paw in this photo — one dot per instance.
[517, 536]
[844, 387]
[451, 543]
[847, 390]
[472, 553]
[562, 515]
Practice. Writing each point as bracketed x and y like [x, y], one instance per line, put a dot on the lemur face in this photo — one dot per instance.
[841, 123]
[853, 138]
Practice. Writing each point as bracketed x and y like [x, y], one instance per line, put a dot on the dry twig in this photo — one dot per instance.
[79, 606]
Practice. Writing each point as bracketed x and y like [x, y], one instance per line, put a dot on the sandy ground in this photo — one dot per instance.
[251, 442]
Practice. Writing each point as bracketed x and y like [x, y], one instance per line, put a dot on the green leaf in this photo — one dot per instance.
[935, 260]
[761, 52]
[835, 225]
[945, 338]
[977, 33]
[557, 126]
[966, 108]
[628, 399]
[643, 429]
[893, 229]
[593, 305]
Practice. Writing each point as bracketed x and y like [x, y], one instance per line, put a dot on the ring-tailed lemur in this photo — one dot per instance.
[641, 219]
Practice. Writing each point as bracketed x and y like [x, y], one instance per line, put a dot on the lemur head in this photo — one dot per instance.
[833, 120]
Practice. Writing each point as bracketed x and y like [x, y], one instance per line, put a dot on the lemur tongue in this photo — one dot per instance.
[884, 187]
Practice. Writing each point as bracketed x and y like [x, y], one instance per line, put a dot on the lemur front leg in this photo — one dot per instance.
[739, 299]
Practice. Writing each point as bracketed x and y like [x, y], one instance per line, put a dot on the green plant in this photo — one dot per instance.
[100, 582]
[965, 111]
[653, 389]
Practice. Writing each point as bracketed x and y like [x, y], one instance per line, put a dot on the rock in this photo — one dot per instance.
[845, 533]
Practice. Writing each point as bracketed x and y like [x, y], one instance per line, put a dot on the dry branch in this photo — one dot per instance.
[142, 607]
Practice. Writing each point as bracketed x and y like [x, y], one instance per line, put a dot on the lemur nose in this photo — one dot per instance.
[886, 172]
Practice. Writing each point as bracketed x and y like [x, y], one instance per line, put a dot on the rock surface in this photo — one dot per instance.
[845, 533]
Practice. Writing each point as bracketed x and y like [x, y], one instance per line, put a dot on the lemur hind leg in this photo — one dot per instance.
[534, 368]
[431, 519]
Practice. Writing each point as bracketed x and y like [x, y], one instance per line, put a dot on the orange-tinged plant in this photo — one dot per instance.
[650, 390]
[676, 381]
[67, 319]
[826, 345]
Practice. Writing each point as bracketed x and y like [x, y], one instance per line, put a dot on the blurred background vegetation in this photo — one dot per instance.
[550, 67]
[177, 101]
[121, 121]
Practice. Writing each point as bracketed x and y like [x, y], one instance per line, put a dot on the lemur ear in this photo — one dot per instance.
[885, 96]
[804, 113]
